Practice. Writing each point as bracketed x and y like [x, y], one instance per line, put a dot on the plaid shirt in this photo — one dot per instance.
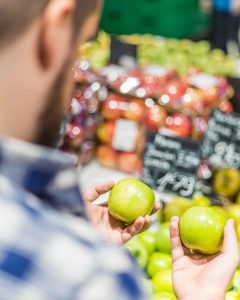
[46, 252]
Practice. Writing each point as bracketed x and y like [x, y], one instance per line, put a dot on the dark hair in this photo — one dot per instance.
[17, 15]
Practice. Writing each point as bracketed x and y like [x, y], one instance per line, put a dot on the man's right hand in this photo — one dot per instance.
[203, 277]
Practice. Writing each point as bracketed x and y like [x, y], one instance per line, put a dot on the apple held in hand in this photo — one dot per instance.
[201, 229]
[130, 199]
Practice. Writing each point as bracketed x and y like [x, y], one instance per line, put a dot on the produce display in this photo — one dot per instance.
[179, 54]
[201, 230]
[175, 88]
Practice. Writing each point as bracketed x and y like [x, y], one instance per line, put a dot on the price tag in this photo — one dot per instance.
[171, 163]
[203, 81]
[125, 135]
[122, 53]
[221, 144]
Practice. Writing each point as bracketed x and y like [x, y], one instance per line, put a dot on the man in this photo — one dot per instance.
[49, 248]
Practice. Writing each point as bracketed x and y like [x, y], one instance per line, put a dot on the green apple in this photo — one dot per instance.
[147, 238]
[201, 229]
[238, 198]
[130, 199]
[158, 261]
[227, 182]
[221, 210]
[176, 208]
[232, 295]
[234, 212]
[163, 238]
[201, 200]
[236, 280]
[137, 250]
[160, 216]
[163, 296]
[162, 281]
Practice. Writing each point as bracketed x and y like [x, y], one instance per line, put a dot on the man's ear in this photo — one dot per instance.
[56, 28]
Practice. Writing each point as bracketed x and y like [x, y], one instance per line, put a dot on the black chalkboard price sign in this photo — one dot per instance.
[221, 145]
[122, 53]
[170, 164]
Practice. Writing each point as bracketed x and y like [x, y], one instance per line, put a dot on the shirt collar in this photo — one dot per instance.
[49, 174]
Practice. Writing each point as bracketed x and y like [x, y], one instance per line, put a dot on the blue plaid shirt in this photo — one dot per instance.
[46, 252]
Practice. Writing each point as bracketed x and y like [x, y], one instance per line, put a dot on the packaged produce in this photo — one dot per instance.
[121, 134]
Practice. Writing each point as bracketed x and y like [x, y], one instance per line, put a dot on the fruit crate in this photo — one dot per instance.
[175, 18]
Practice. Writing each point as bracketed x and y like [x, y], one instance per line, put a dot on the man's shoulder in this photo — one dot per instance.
[54, 254]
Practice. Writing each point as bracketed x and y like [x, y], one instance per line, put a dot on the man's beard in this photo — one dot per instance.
[52, 118]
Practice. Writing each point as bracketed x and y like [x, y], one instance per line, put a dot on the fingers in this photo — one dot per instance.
[97, 190]
[230, 243]
[157, 206]
[147, 223]
[133, 229]
[176, 244]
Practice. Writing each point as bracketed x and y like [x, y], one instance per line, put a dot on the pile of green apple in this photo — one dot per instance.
[180, 54]
[185, 54]
[152, 249]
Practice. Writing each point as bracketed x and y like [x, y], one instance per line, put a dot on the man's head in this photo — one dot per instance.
[38, 46]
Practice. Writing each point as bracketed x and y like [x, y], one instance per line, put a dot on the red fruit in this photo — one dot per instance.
[74, 135]
[192, 101]
[105, 132]
[107, 156]
[173, 92]
[128, 162]
[180, 124]
[156, 117]
[113, 107]
[135, 110]
[226, 106]
[200, 125]
[211, 95]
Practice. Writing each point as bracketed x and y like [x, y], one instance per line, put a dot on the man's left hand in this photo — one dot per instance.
[113, 230]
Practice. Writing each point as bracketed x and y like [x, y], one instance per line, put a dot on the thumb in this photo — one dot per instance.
[96, 190]
[230, 242]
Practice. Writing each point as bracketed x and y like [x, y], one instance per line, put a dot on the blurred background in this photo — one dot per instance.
[158, 67]
[162, 73]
